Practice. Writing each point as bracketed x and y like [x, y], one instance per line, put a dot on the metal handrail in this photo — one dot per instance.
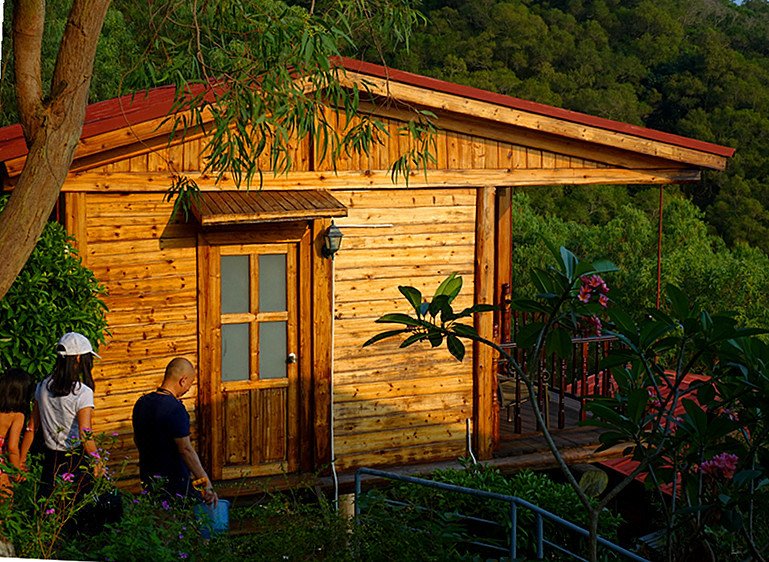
[514, 503]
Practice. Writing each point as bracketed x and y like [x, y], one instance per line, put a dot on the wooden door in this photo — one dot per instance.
[250, 335]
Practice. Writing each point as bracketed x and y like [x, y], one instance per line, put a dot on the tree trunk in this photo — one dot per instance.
[52, 130]
[593, 538]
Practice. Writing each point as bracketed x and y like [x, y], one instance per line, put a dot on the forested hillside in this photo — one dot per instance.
[699, 68]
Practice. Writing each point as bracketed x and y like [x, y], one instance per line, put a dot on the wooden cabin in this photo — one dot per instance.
[275, 328]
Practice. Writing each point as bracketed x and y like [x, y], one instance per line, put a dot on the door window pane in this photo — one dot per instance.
[272, 350]
[235, 352]
[272, 282]
[235, 285]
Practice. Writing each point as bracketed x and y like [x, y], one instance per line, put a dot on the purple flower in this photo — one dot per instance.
[183, 555]
[724, 465]
[181, 536]
[50, 511]
[136, 501]
[165, 505]
[68, 477]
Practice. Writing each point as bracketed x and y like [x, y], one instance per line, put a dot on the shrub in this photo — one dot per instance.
[52, 295]
[535, 488]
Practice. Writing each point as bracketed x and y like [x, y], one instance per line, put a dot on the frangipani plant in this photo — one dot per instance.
[677, 430]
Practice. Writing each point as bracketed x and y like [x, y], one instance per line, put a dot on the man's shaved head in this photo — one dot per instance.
[178, 367]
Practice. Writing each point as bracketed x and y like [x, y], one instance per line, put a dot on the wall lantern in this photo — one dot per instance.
[332, 240]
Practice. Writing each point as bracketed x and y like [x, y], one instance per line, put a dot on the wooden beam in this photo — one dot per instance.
[408, 94]
[483, 355]
[503, 275]
[449, 122]
[380, 179]
[306, 355]
[209, 405]
[322, 315]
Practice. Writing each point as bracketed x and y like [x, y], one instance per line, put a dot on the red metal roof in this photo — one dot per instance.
[110, 115]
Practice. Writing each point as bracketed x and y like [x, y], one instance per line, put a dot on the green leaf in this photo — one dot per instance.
[559, 342]
[698, 418]
[464, 330]
[384, 335]
[456, 347]
[679, 302]
[570, 262]
[636, 404]
[412, 339]
[451, 286]
[400, 318]
[414, 296]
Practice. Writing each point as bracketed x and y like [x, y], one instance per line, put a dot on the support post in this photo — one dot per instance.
[484, 377]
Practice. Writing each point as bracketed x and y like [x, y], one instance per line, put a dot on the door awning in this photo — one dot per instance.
[251, 207]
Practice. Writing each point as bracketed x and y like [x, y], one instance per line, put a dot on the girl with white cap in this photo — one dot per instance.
[63, 409]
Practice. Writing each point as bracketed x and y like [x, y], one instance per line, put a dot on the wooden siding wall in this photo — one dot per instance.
[454, 149]
[149, 267]
[393, 405]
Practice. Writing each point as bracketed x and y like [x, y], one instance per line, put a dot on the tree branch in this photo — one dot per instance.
[53, 138]
[28, 25]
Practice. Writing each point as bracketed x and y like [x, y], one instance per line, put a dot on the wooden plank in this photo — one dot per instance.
[401, 421]
[159, 183]
[305, 436]
[237, 428]
[210, 408]
[270, 418]
[398, 274]
[148, 270]
[399, 438]
[386, 198]
[403, 370]
[483, 374]
[416, 215]
[392, 406]
[152, 331]
[159, 346]
[383, 289]
[400, 389]
[322, 315]
[75, 217]
[403, 455]
[122, 232]
[413, 256]
[453, 237]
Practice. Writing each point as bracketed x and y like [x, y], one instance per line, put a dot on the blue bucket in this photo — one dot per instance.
[215, 520]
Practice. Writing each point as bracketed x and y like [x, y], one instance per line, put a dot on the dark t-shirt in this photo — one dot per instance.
[159, 419]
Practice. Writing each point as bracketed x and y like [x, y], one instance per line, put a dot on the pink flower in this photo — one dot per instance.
[593, 286]
[50, 511]
[115, 434]
[68, 477]
[724, 465]
[95, 454]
